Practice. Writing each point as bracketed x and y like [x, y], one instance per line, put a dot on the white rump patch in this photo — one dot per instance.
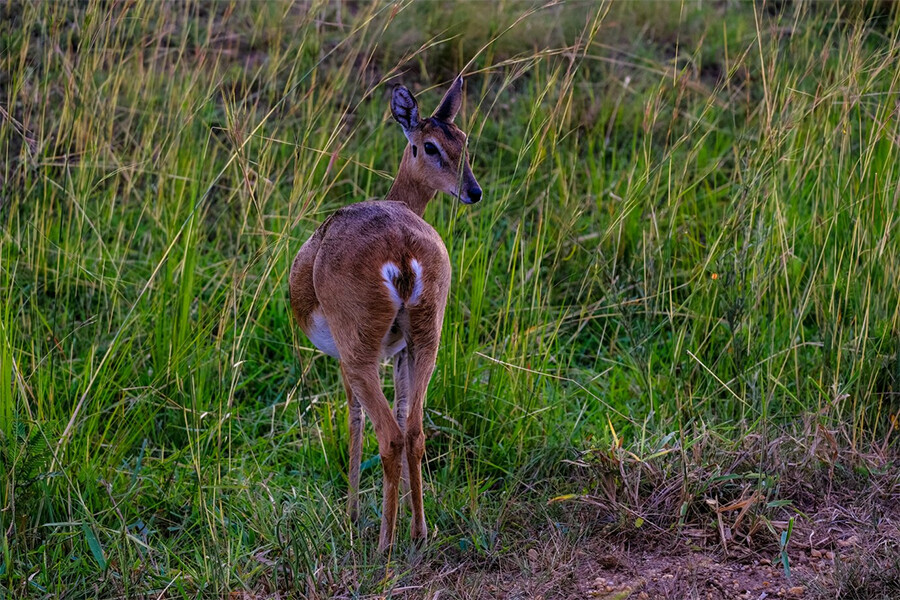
[319, 333]
[389, 272]
[417, 285]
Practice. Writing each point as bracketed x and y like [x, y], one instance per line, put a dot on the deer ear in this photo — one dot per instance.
[449, 106]
[405, 109]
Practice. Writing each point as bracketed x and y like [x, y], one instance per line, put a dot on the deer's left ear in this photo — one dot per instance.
[405, 109]
[449, 106]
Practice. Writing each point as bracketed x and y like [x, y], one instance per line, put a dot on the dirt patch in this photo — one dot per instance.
[696, 575]
[678, 573]
[675, 573]
[840, 551]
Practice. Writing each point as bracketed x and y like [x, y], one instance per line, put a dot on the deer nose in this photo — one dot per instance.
[474, 194]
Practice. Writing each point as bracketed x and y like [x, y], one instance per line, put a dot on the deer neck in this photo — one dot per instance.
[407, 187]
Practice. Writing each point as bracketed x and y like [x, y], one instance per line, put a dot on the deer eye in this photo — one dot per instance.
[430, 148]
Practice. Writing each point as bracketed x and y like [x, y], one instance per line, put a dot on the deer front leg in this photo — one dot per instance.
[355, 425]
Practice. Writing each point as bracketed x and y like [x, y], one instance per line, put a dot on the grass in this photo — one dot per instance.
[687, 252]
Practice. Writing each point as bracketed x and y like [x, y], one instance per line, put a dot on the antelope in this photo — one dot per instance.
[371, 283]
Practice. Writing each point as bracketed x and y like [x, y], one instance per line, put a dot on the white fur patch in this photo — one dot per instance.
[319, 333]
[417, 285]
[389, 272]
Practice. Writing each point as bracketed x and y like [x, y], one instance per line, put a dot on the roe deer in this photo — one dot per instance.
[372, 283]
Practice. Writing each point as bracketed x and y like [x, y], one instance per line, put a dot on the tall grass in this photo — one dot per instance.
[689, 226]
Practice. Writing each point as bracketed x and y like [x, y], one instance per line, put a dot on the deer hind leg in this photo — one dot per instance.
[360, 322]
[366, 386]
[356, 422]
[401, 409]
[424, 336]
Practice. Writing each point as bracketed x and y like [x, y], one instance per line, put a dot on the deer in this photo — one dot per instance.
[371, 284]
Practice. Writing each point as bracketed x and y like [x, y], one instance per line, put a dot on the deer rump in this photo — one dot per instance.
[365, 258]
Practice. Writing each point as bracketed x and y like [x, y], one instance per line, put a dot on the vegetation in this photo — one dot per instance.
[682, 287]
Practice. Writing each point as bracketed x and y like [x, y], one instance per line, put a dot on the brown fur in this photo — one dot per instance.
[339, 276]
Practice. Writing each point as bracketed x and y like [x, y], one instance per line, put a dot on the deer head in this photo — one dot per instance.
[439, 156]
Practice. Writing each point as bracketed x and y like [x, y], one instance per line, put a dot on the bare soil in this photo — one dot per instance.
[834, 553]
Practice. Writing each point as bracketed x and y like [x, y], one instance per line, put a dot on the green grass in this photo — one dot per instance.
[689, 238]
